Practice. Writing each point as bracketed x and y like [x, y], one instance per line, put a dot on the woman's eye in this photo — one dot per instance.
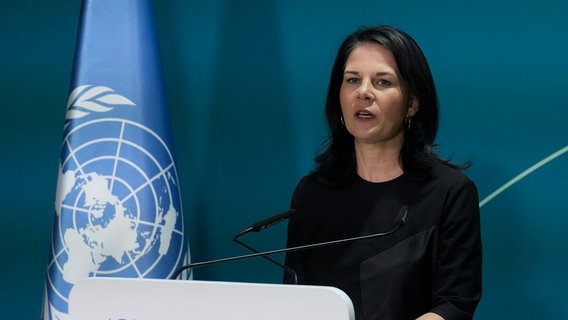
[352, 80]
[383, 83]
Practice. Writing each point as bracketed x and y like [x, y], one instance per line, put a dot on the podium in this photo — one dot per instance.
[153, 299]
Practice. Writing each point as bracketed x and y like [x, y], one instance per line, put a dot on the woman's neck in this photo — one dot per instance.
[378, 163]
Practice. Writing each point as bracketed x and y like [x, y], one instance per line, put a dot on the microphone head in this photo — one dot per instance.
[401, 217]
[265, 223]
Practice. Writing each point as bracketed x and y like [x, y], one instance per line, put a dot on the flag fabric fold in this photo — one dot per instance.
[118, 210]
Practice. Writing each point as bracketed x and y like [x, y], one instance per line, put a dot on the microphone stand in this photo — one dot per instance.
[286, 268]
[293, 249]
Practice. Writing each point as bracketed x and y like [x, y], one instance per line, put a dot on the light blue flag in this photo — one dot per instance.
[118, 211]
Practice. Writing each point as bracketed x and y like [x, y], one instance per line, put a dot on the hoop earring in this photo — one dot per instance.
[407, 123]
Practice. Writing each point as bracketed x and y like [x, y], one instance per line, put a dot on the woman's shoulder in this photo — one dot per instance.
[309, 182]
[311, 185]
[445, 173]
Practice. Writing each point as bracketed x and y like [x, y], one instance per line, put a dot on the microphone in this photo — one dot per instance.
[402, 215]
[261, 225]
[399, 222]
[265, 223]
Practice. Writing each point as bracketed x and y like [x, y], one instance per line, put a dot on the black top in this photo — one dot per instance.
[432, 263]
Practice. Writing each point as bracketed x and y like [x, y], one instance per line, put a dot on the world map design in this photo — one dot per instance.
[118, 210]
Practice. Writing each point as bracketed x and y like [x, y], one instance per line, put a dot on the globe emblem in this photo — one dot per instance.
[118, 210]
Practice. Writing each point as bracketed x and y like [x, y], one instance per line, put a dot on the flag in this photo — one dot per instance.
[118, 210]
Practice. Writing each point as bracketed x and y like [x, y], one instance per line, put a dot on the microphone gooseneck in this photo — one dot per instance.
[399, 222]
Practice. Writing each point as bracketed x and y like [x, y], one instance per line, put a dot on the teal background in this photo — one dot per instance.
[246, 83]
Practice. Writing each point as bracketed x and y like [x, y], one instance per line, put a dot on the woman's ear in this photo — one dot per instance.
[413, 107]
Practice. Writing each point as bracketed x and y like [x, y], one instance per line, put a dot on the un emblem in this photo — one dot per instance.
[118, 207]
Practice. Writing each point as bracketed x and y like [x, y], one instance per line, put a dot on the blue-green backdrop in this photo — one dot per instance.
[246, 82]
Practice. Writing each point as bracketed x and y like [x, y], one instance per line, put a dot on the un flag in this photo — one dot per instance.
[118, 210]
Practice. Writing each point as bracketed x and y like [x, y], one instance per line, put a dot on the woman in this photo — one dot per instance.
[382, 111]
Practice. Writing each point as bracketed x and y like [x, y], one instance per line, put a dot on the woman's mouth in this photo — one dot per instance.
[364, 114]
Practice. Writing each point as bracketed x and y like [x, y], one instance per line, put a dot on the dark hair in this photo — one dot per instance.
[336, 164]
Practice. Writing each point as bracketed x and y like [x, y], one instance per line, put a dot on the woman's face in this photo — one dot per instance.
[373, 96]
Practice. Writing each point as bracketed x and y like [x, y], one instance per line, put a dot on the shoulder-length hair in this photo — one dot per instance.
[335, 164]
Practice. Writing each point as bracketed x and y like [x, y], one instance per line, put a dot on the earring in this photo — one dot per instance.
[407, 123]
[342, 121]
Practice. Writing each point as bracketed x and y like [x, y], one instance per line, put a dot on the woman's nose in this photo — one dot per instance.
[364, 90]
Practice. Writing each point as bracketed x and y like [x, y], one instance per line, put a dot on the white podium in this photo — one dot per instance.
[152, 299]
